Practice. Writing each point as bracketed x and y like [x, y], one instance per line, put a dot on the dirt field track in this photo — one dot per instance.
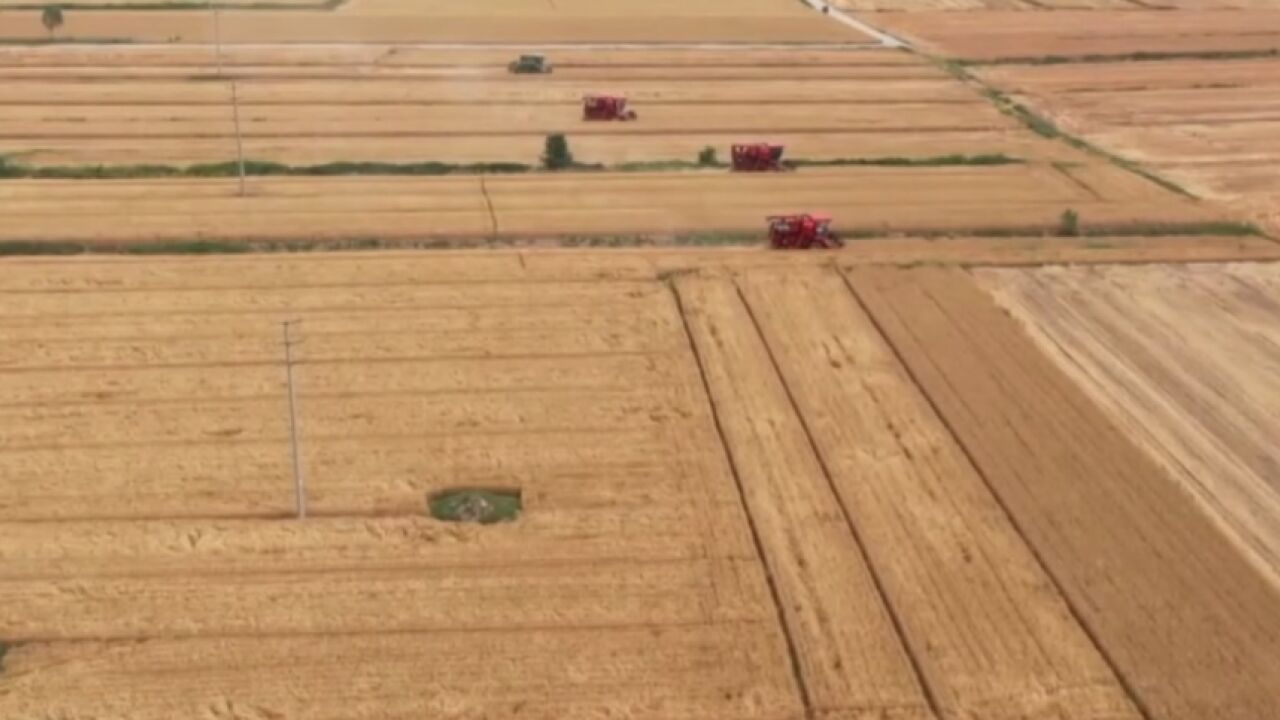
[726, 466]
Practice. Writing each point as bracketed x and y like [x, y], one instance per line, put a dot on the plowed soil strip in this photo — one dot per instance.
[993, 636]
[850, 656]
[1191, 626]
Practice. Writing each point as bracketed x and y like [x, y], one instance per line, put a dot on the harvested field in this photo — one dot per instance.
[1183, 359]
[986, 35]
[1186, 620]
[1047, 5]
[1211, 126]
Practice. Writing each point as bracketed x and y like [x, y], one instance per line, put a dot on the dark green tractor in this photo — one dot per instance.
[530, 65]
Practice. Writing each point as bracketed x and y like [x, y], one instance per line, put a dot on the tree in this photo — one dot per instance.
[556, 155]
[708, 156]
[1069, 224]
[51, 18]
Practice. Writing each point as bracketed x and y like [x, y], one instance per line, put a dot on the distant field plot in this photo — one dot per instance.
[1117, 31]
[77, 106]
[1212, 125]
[446, 21]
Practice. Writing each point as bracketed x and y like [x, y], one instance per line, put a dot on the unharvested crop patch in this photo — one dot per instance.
[734, 493]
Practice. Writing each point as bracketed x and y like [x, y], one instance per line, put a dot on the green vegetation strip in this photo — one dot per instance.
[259, 168]
[1064, 228]
[256, 168]
[937, 161]
[476, 505]
[1152, 56]
[64, 41]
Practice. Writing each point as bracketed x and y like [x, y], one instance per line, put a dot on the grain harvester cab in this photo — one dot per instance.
[757, 157]
[529, 65]
[606, 107]
[802, 232]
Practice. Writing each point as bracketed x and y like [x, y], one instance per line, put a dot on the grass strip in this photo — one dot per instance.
[63, 41]
[260, 168]
[689, 239]
[255, 168]
[936, 161]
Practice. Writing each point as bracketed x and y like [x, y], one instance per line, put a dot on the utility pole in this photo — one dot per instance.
[235, 115]
[299, 485]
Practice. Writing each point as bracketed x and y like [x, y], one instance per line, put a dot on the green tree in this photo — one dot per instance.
[51, 18]
[556, 155]
[1069, 223]
[708, 156]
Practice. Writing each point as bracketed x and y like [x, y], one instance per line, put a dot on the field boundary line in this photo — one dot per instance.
[493, 216]
[890, 610]
[386, 569]
[1124, 683]
[276, 635]
[746, 45]
[793, 653]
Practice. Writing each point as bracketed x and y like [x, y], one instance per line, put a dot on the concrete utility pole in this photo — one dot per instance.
[299, 485]
[235, 116]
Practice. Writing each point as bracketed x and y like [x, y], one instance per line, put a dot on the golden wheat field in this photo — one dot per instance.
[721, 455]
[1007, 455]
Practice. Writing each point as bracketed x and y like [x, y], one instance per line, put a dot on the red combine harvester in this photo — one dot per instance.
[802, 232]
[606, 107]
[757, 157]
